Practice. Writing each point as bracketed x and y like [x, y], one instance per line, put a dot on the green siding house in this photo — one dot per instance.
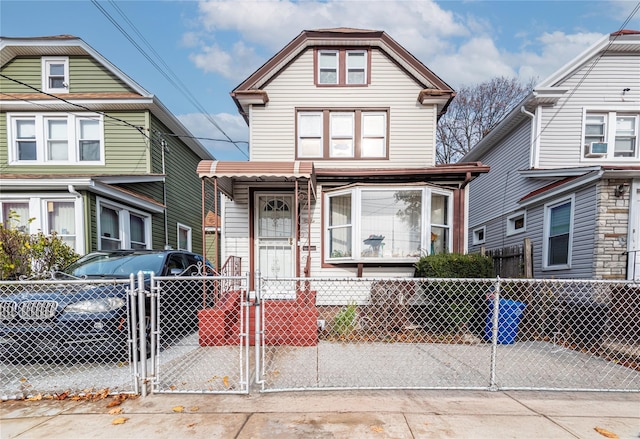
[86, 152]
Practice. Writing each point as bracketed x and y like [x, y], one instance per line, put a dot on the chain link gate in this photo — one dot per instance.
[68, 337]
[199, 341]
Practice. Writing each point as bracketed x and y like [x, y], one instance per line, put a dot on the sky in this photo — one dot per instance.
[191, 54]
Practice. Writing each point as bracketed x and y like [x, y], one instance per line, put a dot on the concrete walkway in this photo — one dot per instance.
[333, 414]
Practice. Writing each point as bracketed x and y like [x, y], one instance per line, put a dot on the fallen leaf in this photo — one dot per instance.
[115, 411]
[37, 397]
[225, 381]
[194, 408]
[178, 409]
[172, 387]
[377, 429]
[114, 403]
[118, 421]
[191, 425]
[22, 380]
[606, 433]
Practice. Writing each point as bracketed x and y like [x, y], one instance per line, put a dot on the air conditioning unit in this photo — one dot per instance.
[597, 149]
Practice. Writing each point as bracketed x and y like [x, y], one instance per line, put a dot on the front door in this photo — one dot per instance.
[274, 235]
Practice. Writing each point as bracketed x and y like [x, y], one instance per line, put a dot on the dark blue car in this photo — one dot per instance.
[74, 319]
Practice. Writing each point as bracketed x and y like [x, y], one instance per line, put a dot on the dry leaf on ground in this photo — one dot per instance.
[377, 429]
[178, 409]
[225, 381]
[115, 411]
[194, 408]
[606, 433]
[118, 421]
[114, 403]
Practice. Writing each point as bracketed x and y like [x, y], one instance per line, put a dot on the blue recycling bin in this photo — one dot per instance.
[509, 315]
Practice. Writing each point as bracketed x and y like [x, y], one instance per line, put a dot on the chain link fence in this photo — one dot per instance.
[200, 337]
[67, 337]
[208, 334]
[451, 333]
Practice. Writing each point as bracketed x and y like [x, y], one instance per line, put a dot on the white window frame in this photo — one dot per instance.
[46, 62]
[41, 134]
[511, 222]
[335, 138]
[356, 215]
[189, 236]
[349, 68]
[38, 212]
[610, 119]
[548, 207]
[302, 136]
[337, 66]
[124, 223]
[476, 235]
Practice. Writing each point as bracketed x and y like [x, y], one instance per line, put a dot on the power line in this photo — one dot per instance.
[173, 79]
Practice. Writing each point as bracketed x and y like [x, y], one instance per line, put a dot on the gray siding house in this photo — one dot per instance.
[565, 169]
[342, 179]
[88, 153]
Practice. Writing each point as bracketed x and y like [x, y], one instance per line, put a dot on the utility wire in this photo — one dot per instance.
[173, 79]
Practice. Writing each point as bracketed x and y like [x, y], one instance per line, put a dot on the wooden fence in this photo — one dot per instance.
[513, 261]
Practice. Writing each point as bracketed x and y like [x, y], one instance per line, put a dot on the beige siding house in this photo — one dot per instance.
[342, 179]
[83, 152]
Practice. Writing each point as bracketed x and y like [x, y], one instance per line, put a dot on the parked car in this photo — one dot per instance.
[73, 319]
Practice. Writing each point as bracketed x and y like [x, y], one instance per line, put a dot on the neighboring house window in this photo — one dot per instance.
[60, 215]
[479, 235]
[558, 234]
[15, 215]
[122, 228]
[55, 74]
[61, 220]
[184, 237]
[52, 138]
[342, 67]
[611, 135]
[516, 223]
[342, 134]
[367, 224]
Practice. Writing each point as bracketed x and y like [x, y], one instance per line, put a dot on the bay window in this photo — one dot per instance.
[342, 134]
[392, 223]
[49, 138]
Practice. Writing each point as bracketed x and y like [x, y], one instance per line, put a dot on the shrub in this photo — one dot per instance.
[345, 321]
[453, 306]
[27, 255]
[455, 265]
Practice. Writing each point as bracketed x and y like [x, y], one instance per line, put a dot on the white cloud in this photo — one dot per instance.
[233, 125]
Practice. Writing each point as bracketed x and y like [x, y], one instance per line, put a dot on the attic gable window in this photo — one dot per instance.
[55, 74]
[342, 67]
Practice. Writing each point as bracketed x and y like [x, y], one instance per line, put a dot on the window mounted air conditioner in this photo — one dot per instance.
[597, 149]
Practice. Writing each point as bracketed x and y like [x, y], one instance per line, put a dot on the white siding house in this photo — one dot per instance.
[342, 179]
[565, 168]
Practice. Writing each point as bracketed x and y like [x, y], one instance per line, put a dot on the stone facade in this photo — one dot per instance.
[612, 220]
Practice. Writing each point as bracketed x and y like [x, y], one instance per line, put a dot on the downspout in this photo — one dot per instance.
[85, 223]
[163, 144]
[532, 154]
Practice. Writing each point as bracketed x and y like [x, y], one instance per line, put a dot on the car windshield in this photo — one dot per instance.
[117, 264]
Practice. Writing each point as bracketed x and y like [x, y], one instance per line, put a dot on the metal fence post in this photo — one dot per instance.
[133, 338]
[259, 349]
[494, 333]
[142, 333]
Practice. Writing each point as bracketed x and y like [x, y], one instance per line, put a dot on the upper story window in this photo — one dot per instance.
[611, 135]
[52, 138]
[342, 67]
[342, 134]
[386, 223]
[55, 74]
